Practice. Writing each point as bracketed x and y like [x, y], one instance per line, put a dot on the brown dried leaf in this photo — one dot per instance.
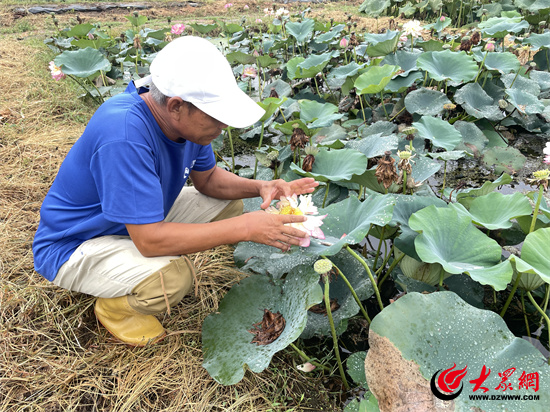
[321, 308]
[269, 329]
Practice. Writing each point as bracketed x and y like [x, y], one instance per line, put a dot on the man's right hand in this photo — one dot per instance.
[270, 229]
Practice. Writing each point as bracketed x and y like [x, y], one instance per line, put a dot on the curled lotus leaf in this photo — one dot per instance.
[375, 79]
[226, 336]
[426, 102]
[448, 238]
[407, 341]
[534, 254]
[466, 196]
[204, 28]
[404, 59]
[83, 62]
[374, 8]
[478, 103]
[505, 62]
[301, 31]
[335, 165]
[501, 26]
[448, 65]
[538, 41]
[524, 102]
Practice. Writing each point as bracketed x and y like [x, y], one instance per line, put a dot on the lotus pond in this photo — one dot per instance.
[416, 264]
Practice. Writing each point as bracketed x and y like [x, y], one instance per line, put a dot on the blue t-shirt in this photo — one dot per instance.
[122, 170]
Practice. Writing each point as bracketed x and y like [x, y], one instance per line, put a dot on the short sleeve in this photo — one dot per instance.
[205, 159]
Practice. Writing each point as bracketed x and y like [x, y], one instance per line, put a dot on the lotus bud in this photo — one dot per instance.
[322, 266]
[306, 367]
[344, 43]
[490, 46]
[429, 273]
[503, 104]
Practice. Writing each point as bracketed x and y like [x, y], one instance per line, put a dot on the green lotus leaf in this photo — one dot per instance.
[538, 41]
[407, 10]
[534, 6]
[473, 139]
[343, 72]
[314, 64]
[401, 84]
[139, 20]
[424, 168]
[383, 48]
[521, 83]
[83, 62]
[453, 241]
[351, 218]
[374, 8]
[94, 44]
[496, 210]
[438, 131]
[369, 180]
[504, 159]
[240, 57]
[204, 28]
[453, 337]
[465, 197]
[438, 25]
[446, 156]
[505, 62]
[478, 103]
[288, 127]
[404, 207]
[529, 280]
[467, 288]
[335, 165]
[368, 403]
[225, 335]
[80, 30]
[382, 127]
[542, 79]
[319, 114]
[501, 26]
[404, 59]
[524, 102]
[430, 45]
[426, 102]
[355, 273]
[327, 37]
[374, 145]
[266, 61]
[270, 105]
[331, 136]
[375, 79]
[542, 58]
[356, 368]
[300, 30]
[282, 88]
[534, 254]
[448, 65]
[231, 28]
[375, 38]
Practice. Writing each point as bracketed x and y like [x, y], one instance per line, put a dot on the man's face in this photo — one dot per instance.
[199, 127]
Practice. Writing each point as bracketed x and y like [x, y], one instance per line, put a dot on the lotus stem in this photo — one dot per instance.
[398, 113]
[352, 290]
[517, 73]
[543, 313]
[333, 332]
[384, 262]
[545, 304]
[444, 176]
[525, 314]
[536, 211]
[383, 105]
[494, 297]
[362, 108]
[374, 286]
[481, 66]
[86, 90]
[379, 247]
[514, 288]
[390, 269]
[232, 150]
[404, 182]
[326, 194]
[328, 87]
[307, 358]
[316, 86]
[259, 146]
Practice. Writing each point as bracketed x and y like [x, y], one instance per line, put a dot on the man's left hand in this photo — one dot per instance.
[275, 189]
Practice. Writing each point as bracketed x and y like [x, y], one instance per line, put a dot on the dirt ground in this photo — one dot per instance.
[53, 354]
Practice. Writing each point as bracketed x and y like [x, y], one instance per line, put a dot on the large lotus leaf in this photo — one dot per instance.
[83, 62]
[300, 30]
[404, 207]
[511, 81]
[282, 88]
[383, 48]
[374, 145]
[374, 8]
[80, 30]
[453, 241]
[526, 103]
[400, 84]
[293, 71]
[375, 38]
[438, 131]
[448, 65]
[353, 270]
[446, 156]
[430, 45]
[478, 103]
[534, 254]
[204, 28]
[348, 222]
[501, 26]
[473, 139]
[503, 62]
[542, 79]
[538, 41]
[335, 165]
[313, 65]
[331, 136]
[382, 127]
[327, 37]
[319, 114]
[495, 210]
[542, 59]
[270, 105]
[343, 72]
[534, 6]
[504, 159]
[426, 102]
[428, 333]
[424, 168]
[375, 79]
[467, 196]
[404, 59]
[225, 335]
[240, 58]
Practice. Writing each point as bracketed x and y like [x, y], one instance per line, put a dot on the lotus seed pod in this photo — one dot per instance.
[322, 266]
[542, 23]
[410, 130]
[449, 106]
[405, 154]
[311, 150]
[503, 104]
[273, 155]
[542, 174]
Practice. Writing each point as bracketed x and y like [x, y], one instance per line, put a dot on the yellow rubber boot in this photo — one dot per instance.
[127, 324]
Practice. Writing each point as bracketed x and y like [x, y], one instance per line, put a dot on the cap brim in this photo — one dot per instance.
[236, 110]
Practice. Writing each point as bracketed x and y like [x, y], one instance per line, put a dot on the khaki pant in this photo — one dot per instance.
[111, 266]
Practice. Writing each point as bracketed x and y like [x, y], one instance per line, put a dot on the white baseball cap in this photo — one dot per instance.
[194, 69]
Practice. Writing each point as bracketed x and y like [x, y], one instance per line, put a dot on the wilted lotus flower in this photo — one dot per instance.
[546, 151]
[307, 164]
[412, 28]
[298, 139]
[249, 72]
[385, 171]
[177, 29]
[540, 178]
[290, 206]
[56, 72]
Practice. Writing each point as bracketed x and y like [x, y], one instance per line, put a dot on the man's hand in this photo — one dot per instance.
[270, 229]
[274, 189]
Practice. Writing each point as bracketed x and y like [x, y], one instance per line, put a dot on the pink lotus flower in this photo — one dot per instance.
[442, 18]
[246, 7]
[546, 151]
[290, 206]
[177, 28]
[306, 367]
[344, 43]
[259, 21]
[249, 72]
[228, 5]
[90, 36]
[56, 72]
[490, 46]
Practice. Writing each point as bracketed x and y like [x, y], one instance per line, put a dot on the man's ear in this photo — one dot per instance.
[175, 106]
